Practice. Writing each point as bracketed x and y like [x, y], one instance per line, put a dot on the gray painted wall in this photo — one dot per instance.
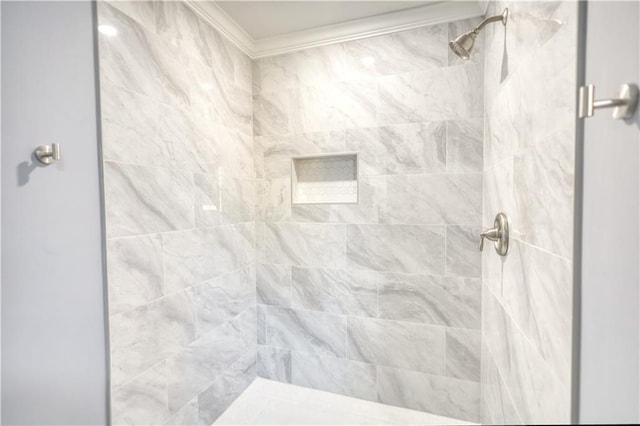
[610, 345]
[53, 325]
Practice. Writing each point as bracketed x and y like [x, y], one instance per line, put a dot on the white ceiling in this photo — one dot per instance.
[263, 19]
[266, 28]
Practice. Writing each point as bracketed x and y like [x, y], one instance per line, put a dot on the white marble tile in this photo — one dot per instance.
[134, 268]
[272, 113]
[334, 290]
[463, 257]
[411, 148]
[144, 336]
[464, 145]
[224, 297]
[450, 301]
[308, 331]
[273, 284]
[142, 200]
[463, 353]
[143, 400]
[397, 248]
[205, 360]
[397, 53]
[440, 395]
[434, 199]
[195, 256]
[274, 363]
[305, 244]
[214, 400]
[396, 344]
[331, 374]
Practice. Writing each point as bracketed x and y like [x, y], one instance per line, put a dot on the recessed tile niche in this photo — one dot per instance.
[325, 179]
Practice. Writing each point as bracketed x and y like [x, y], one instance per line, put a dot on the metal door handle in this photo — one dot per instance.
[624, 105]
[48, 154]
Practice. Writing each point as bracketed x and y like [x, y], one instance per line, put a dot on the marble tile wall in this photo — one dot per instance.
[180, 193]
[529, 143]
[379, 300]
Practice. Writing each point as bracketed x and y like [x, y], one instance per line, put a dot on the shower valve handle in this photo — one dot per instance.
[492, 234]
[499, 234]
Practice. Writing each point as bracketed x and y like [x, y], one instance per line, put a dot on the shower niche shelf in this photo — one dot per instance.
[325, 179]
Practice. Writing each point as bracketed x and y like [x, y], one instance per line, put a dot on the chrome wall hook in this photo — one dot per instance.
[48, 154]
[499, 234]
[624, 106]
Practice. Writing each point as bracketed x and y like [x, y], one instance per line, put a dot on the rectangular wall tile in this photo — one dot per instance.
[336, 375]
[449, 301]
[463, 354]
[195, 256]
[319, 333]
[134, 269]
[444, 396]
[333, 290]
[463, 257]
[274, 363]
[396, 344]
[273, 284]
[143, 200]
[305, 244]
[398, 248]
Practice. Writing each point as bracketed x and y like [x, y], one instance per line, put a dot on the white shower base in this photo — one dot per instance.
[266, 402]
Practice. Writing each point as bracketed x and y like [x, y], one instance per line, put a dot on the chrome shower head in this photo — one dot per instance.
[463, 44]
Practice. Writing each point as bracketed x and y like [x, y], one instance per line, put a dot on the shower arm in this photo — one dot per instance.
[502, 18]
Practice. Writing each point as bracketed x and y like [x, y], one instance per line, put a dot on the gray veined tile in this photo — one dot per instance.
[464, 146]
[196, 367]
[186, 416]
[396, 344]
[142, 401]
[334, 290]
[245, 248]
[400, 100]
[272, 113]
[305, 244]
[397, 53]
[195, 256]
[444, 396]
[130, 127]
[307, 331]
[142, 200]
[317, 109]
[273, 284]
[336, 375]
[497, 406]
[543, 192]
[322, 64]
[223, 298]
[463, 353]
[274, 363]
[141, 11]
[278, 150]
[273, 199]
[134, 267]
[144, 336]
[215, 399]
[449, 301]
[261, 324]
[276, 73]
[358, 103]
[434, 199]
[398, 248]
[411, 148]
[463, 256]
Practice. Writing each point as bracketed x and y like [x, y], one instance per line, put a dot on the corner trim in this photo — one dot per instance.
[431, 14]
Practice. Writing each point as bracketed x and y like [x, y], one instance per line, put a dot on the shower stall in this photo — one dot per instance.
[387, 216]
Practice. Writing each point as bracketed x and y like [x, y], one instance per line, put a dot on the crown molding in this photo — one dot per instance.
[431, 14]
